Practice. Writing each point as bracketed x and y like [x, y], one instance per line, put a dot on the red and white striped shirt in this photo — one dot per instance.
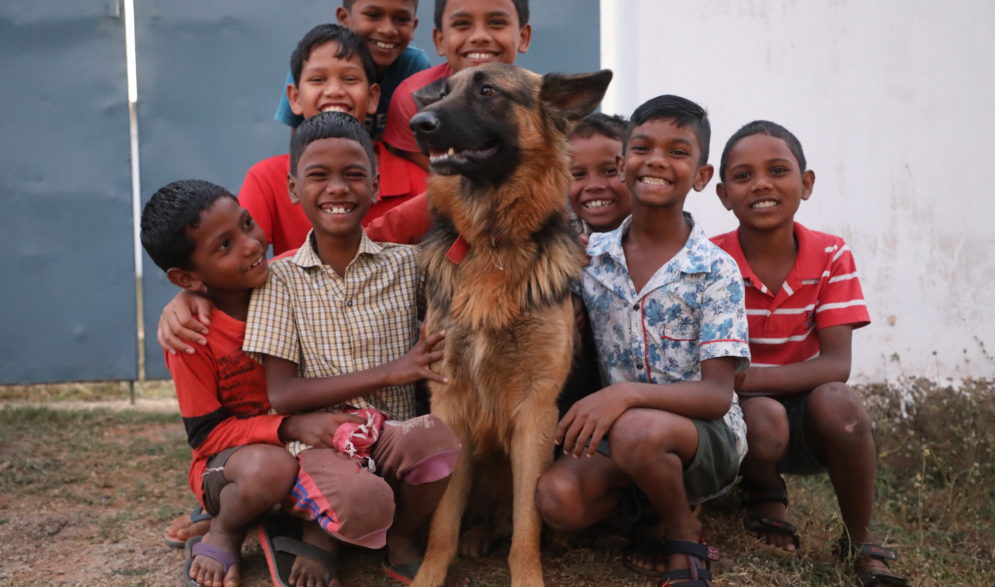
[822, 290]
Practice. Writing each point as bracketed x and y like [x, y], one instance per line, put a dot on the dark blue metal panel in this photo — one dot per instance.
[67, 303]
[208, 75]
[566, 35]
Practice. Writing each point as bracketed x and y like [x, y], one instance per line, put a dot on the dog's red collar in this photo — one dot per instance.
[458, 250]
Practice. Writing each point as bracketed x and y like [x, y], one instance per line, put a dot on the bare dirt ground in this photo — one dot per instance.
[89, 482]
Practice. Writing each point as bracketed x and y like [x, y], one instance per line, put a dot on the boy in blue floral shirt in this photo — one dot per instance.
[666, 307]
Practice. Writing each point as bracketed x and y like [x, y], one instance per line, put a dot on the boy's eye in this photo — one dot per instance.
[224, 245]
[372, 14]
[742, 175]
[779, 170]
[577, 175]
[460, 24]
[498, 23]
[610, 171]
[404, 20]
[639, 148]
[679, 152]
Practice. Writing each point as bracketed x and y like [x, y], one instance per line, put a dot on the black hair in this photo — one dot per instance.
[682, 111]
[612, 126]
[763, 127]
[172, 210]
[521, 7]
[329, 125]
[347, 4]
[349, 45]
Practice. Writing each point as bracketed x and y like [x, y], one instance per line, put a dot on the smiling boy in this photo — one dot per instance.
[467, 33]
[666, 307]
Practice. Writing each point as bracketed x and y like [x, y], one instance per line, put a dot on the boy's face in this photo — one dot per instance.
[661, 164]
[386, 26]
[597, 193]
[335, 184]
[229, 250]
[481, 31]
[329, 83]
[764, 185]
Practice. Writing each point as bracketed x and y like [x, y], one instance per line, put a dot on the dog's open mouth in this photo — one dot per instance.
[452, 158]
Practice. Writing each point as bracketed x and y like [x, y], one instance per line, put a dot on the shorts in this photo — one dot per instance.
[357, 506]
[797, 458]
[214, 480]
[711, 472]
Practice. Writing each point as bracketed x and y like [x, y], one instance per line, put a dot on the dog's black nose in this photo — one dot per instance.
[424, 122]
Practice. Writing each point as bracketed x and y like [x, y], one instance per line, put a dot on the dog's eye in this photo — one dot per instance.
[487, 91]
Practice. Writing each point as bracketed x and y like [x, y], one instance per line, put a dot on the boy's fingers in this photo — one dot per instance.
[434, 356]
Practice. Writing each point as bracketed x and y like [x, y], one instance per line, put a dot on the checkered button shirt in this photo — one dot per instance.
[331, 325]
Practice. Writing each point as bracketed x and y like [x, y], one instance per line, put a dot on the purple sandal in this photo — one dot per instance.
[197, 548]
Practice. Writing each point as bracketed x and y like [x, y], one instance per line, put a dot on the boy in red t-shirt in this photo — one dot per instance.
[803, 300]
[204, 241]
[332, 70]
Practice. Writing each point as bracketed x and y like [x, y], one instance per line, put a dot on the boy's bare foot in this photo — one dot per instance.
[311, 572]
[211, 555]
[186, 526]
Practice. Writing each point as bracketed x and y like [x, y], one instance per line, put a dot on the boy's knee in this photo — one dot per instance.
[836, 409]
[431, 449]
[268, 471]
[559, 502]
[767, 428]
[366, 513]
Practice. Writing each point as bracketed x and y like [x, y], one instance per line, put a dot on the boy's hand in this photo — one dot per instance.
[316, 428]
[589, 420]
[413, 366]
[184, 319]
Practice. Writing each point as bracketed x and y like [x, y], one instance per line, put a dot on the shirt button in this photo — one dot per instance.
[639, 366]
[349, 303]
[635, 306]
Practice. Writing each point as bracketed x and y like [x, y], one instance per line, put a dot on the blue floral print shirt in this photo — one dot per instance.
[690, 310]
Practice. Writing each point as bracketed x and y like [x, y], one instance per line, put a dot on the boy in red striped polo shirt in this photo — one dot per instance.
[803, 300]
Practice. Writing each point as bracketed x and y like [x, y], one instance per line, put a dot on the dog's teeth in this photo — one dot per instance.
[451, 152]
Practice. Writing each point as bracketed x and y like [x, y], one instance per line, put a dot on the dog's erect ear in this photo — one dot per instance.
[575, 96]
[430, 94]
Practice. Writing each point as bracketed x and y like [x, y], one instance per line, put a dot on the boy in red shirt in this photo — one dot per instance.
[204, 241]
[803, 300]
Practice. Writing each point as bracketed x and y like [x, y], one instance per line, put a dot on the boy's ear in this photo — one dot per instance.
[292, 189]
[342, 15]
[620, 166]
[185, 279]
[808, 182]
[439, 40]
[373, 99]
[524, 38]
[293, 93]
[720, 189]
[575, 96]
[376, 188]
[703, 176]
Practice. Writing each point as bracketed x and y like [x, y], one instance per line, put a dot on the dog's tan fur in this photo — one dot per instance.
[507, 313]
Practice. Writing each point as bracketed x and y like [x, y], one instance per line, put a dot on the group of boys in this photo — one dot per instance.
[307, 373]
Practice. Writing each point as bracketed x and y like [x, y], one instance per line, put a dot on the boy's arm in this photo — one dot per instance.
[590, 418]
[407, 223]
[288, 392]
[832, 364]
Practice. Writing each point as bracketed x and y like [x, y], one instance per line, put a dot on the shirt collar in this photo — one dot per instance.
[307, 255]
[395, 180]
[692, 257]
[809, 262]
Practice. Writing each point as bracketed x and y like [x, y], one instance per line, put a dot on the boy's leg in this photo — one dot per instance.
[239, 486]
[838, 432]
[767, 434]
[575, 493]
[652, 448]
[417, 458]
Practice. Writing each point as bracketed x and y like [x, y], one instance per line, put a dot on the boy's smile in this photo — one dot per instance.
[335, 186]
[230, 248]
[661, 163]
[330, 83]
[386, 26]
[764, 185]
[481, 31]
[597, 193]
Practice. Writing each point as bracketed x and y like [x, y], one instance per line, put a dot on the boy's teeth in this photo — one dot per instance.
[334, 109]
[598, 204]
[655, 181]
[384, 45]
[764, 204]
[336, 209]
[478, 56]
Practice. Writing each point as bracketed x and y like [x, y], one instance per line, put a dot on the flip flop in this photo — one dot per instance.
[405, 572]
[194, 548]
[280, 539]
[197, 515]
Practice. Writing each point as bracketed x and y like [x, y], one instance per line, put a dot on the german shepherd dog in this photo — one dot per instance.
[499, 264]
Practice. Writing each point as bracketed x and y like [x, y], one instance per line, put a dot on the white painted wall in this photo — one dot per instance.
[894, 103]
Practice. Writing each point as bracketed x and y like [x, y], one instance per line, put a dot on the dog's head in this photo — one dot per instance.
[481, 122]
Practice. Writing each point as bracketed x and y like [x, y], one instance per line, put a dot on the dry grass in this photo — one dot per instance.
[85, 496]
